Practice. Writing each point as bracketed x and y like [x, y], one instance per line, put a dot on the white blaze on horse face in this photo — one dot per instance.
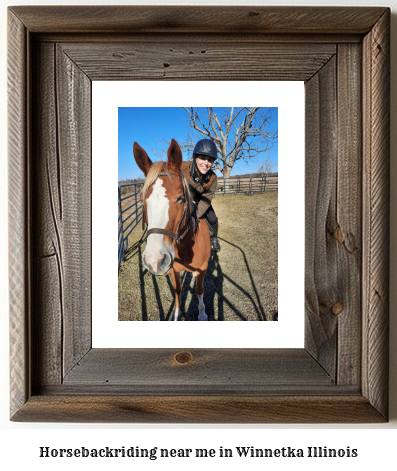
[157, 211]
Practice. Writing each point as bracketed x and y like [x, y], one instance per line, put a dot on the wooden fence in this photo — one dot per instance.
[246, 185]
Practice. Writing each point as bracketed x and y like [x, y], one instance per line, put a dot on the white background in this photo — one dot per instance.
[288, 332]
[20, 442]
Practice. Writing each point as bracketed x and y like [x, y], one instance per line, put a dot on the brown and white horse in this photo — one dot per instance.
[172, 245]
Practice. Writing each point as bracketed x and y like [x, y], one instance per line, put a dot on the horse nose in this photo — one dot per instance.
[158, 266]
[164, 264]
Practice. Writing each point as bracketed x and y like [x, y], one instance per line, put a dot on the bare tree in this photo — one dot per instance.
[268, 166]
[239, 133]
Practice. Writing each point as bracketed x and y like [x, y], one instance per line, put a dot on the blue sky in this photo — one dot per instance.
[149, 125]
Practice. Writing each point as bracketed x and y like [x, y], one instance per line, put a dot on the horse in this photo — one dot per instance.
[173, 242]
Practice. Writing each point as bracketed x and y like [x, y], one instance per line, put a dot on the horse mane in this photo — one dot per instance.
[154, 172]
[151, 177]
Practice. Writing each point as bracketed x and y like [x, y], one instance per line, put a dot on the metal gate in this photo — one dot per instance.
[129, 217]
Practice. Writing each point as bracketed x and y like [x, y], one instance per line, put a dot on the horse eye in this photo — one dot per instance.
[180, 199]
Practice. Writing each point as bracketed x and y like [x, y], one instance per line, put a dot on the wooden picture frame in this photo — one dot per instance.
[342, 54]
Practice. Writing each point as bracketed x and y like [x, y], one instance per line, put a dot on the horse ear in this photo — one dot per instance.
[174, 155]
[141, 158]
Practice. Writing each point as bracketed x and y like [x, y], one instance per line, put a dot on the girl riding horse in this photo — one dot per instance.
[203, 182]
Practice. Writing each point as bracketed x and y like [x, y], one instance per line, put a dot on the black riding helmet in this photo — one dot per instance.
[203, 147]
[206, 147]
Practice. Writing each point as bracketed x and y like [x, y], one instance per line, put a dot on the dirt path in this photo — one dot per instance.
[241, 282]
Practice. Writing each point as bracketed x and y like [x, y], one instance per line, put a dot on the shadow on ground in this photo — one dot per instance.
[215, 299]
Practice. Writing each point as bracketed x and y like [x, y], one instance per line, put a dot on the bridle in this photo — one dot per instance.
[173, 235]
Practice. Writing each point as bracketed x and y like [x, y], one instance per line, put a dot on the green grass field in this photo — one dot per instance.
[241, 282]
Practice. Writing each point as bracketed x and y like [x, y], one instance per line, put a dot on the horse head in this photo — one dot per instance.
[165, 205]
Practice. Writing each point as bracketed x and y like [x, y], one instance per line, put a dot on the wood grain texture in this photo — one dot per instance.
[62, 205]
[73, 89]
[341, 375]
[376, 92]
[199, 19]
[215, 59]
[48, 283]
[18, 213]
[347, 225]
[198, 409]
[322, 289]
[158, 370]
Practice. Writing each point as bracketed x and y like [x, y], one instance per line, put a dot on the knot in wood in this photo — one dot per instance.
[183, 358]
[338, 235]
[337, 308]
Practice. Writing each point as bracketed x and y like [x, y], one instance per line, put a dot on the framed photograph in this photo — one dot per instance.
[340, 374]
[248, 280]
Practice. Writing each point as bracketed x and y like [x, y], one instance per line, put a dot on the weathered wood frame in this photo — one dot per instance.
[342, 54]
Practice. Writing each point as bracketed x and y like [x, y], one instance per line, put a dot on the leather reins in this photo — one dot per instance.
[173, 235]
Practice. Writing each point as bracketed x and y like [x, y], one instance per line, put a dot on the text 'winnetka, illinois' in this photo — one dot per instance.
[289, 452]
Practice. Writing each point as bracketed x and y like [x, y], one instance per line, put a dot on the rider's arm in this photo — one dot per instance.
[206, 198]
